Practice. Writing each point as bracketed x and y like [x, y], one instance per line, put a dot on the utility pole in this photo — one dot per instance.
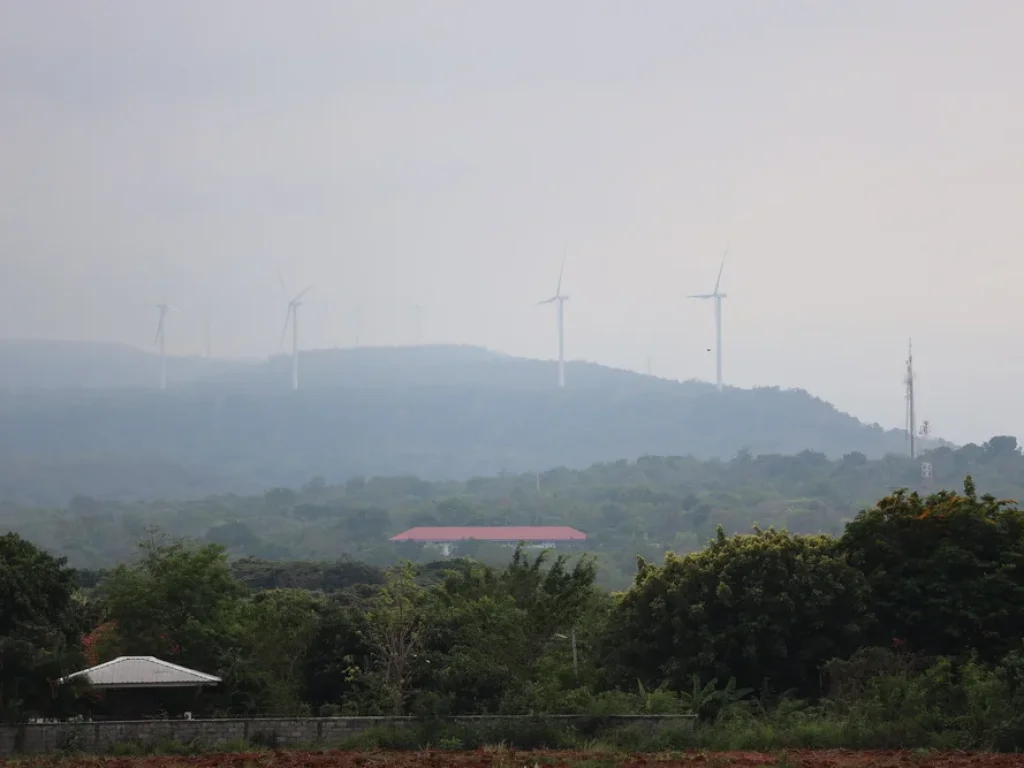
[575, 655]
[575, 658]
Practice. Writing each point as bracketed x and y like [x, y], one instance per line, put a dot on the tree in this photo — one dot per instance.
[40, 630]
[491, 627]
[339, 659]
[395, 623]
[277, 628]
[178, 602]
[477, 652]
[763, 605]
[554, 597]
[946, 571]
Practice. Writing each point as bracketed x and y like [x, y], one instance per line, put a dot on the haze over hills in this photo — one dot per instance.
[627, 508]
[54, 364]
[436, 366]
[434, 412]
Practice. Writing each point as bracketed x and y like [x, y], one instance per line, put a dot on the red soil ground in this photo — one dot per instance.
[546, 759]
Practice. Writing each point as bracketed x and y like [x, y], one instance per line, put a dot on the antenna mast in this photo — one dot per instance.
[926, 466]
[911, 424]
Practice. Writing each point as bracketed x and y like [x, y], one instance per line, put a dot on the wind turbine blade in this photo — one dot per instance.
[561, 269]
[547, 301]
[303, 293]
[701, 296]
[287, 317]
[720, 268]
[284, 288]
[159, 328]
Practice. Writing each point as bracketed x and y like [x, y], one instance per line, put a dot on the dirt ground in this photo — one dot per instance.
[499, 758]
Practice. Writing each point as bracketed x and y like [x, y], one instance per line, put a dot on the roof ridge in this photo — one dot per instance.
[178, 667]
[152, 660]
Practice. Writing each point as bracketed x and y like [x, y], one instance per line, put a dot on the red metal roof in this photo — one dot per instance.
[493, 533]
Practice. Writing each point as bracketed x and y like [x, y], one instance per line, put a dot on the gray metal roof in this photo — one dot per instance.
[142, 672]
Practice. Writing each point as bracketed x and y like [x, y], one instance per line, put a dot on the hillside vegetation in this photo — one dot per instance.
[438, 413]
[904, 631]
[52, 364]
[645, 507]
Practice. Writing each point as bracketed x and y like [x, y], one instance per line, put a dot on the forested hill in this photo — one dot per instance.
[627, 509]
[433, 412]
[58, 365]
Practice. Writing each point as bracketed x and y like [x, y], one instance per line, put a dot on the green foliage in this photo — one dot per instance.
[437, 412]
[946, 570]
[645, 507]
[275, 630]
[178, 602]
[325, 577]
[900, 700]
[715, 633]
[765, 605]
[40, 627]
[338, 657]
[394, 630]
[499, 640]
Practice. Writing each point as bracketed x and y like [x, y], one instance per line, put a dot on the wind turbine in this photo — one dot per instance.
[292, 315]
[560, 300]
[161, 326]
[718, 319]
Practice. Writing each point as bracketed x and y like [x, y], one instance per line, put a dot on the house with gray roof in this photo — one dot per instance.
[142, 672]
[133, 686]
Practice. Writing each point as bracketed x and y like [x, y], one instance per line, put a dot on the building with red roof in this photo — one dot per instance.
[540, 536]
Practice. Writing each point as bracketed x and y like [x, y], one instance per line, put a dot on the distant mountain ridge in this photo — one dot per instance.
[443, 412]
[55, 364]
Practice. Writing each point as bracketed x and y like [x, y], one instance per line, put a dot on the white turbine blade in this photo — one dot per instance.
[701, 296]
[561, 270]
[303, 293]
[721, 267]
[547, 301]
[161, 322]
[287, 318]
[284, 288]
[173, 308]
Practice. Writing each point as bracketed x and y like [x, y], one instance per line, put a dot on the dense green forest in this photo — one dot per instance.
[438, 413]
[626, 508]
[905, 630]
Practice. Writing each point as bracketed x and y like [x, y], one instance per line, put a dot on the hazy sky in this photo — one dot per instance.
[865, 159]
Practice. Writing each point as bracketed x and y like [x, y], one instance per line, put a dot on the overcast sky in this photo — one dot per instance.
[864, 159]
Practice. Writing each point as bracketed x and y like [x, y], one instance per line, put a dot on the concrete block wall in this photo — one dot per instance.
[285, 733]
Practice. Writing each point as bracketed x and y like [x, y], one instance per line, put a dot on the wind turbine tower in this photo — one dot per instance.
[559, 300]
[292, 316]
[717, 297]
[161, 327]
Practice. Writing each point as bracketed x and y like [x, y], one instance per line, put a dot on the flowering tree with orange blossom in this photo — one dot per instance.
[946, 571]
